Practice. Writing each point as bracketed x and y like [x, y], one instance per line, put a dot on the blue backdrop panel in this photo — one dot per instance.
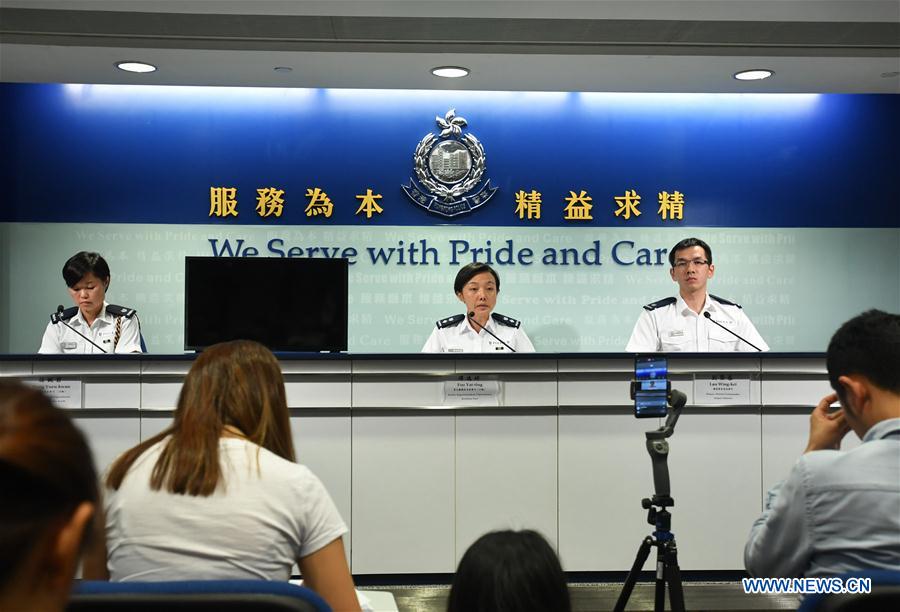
[143, 154]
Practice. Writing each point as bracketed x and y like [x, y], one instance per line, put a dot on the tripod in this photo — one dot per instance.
[667, 570]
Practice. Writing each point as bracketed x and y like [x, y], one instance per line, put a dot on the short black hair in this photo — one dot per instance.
[688, 243]
[868, 344]
[509, 571]
[83, 263]
[466, 273]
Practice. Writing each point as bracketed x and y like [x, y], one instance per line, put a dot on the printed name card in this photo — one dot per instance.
[63, 393]
[472, 390]
[722, 389]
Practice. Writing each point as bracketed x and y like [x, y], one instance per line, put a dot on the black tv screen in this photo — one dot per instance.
[284, 303]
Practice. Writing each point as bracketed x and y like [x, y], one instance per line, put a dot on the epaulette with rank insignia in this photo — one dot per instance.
[724, 301]
[660, 303]
[450, 321]
[65, 315]
[504, 320]
[120, 311]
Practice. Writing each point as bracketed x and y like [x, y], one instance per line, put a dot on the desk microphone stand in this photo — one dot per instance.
[667, 570]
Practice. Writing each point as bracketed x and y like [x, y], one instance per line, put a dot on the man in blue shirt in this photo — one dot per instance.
[839, 512]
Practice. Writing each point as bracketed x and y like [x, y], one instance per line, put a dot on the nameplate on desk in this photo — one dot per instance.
[722, 389]
[63, 393]
[472, 390]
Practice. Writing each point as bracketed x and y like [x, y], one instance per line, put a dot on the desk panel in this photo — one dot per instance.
[403, 492]
[506, 473]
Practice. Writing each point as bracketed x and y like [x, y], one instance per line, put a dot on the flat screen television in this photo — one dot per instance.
[287, 304]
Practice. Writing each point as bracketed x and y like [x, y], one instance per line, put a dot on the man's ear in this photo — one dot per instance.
[856, 390]
[66, 548]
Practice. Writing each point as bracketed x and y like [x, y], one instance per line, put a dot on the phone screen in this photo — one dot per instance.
[649, 368]
[651, 386]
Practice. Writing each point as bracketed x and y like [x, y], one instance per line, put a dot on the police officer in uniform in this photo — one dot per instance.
[115, 329]
[681, 324]
[477, 286]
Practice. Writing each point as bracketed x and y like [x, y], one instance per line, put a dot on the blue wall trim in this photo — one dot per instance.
[142, 154]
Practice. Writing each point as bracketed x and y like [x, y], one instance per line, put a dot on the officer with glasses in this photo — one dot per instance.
[695, 321]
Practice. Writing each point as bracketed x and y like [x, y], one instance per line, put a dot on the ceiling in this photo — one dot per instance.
[540, 45]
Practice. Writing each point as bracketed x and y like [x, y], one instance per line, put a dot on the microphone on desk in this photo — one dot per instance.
[472, 319]
[57, 317]
[708, 316]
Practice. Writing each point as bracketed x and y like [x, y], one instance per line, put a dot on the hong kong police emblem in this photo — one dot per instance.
[449, 169]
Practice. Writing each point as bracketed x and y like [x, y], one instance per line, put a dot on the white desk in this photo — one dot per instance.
[418, 481]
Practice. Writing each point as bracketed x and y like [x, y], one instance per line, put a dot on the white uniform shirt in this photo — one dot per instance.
[676, 328]
[266, 513]
[462, 338]
[59, 339]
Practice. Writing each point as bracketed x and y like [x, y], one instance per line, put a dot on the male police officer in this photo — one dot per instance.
[689, 322]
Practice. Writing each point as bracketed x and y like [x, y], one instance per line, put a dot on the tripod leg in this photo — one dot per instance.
[639, 560]
[673, 576]
[659, 596]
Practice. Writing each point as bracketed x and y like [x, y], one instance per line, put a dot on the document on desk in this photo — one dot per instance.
[472, 390]
[722, 389]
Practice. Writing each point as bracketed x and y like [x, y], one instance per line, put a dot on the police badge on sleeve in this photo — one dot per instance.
[449, 170]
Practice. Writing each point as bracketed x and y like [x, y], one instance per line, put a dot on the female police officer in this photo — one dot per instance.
[480, 330]
[92, 325]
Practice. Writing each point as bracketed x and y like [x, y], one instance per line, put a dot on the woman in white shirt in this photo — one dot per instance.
[217, 495]
[91, 326]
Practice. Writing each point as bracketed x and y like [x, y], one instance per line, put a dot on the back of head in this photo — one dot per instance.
[46, 472]
[82, 263]
[236, 385]
[509, 571]
[867, 345]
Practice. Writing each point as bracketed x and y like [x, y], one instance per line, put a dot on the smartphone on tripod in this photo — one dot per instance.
[650, 387]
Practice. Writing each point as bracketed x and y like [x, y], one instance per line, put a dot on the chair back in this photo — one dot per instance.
[885, 595]
[194, 596]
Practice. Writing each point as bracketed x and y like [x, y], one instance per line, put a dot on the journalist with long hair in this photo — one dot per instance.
[218, 495]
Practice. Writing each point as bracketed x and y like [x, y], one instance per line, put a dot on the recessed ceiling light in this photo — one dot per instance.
[450, 72]
[135, 67]
[753, 75]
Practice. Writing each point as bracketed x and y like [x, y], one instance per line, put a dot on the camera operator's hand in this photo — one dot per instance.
[826, 429]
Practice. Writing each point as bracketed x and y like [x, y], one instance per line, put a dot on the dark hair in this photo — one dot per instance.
[466, 273]
[236, 383]
[688, 243]
[46, 471]
[509, 571]
[868, 344]
[83, 263]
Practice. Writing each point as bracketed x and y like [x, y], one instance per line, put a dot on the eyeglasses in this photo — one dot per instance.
[684, 263]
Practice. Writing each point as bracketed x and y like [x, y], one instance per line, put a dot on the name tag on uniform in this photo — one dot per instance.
[454, 350]
[68, 345]
[496, 344]
[676, 333]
